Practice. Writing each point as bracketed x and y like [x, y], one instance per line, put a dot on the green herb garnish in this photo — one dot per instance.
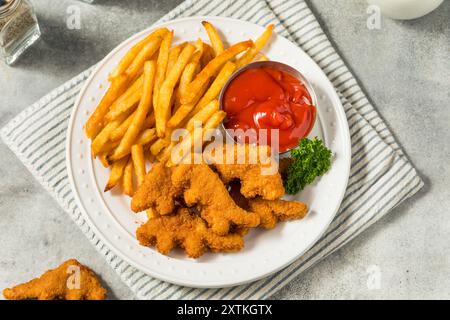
[310, 160]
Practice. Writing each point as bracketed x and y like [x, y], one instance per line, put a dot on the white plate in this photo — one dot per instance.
[266, 251]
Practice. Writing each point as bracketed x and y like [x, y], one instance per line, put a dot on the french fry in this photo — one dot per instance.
[150, 157]
[173, 104]
[188, 110]
[134, 51]
[181, 113]
[108, 148]
[198, 69]
[214, 37]
[157, 88]
[176, 100]
[203, 115]
[135, 86]
[182, 149]
[146, 136]
[250, 54]
[127, 180]
[145, 54]
[137, 154]
[200, 46]
[158, 145]
[162, 112]
[261, 57]
[127, 100]
[192, 139]
[104, 159]
[211, 69]
[164, 154]
[124, 106]
[95, 123]
[215, 120]
[186, 77]
[149, 121]
[189, 72]
[102, 139]
[173, 56]
[161, 65]
[215, 88]
[119, 132]
[162, 151]
[208, 55]
[140, 114]
[116, 173]
[184, 110]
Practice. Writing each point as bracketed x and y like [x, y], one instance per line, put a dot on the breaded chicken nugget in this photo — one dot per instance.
[69, 281]
[188, 231]
[255, 177]
[204, 189]
[156, 192]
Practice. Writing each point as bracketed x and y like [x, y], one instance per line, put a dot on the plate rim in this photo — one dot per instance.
[340, 112]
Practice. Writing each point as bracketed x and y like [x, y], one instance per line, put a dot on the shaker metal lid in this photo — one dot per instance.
[5, 3]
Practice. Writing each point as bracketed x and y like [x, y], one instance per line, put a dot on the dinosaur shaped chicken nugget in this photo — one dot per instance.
[270, 211]
[193, 185]
[69, 281]
[187, 230]
[203, 188]
[253, 166]
[273, 211]
[156, 192]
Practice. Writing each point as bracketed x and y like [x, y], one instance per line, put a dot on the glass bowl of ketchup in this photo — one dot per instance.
[267, 101]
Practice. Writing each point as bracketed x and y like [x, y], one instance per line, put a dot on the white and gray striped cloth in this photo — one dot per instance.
[381, 176]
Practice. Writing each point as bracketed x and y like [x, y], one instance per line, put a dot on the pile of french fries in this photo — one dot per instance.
[156, 88]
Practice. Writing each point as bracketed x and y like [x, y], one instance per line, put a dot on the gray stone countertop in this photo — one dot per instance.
[405, 69]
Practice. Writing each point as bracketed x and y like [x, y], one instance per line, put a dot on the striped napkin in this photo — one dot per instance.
[381, 176]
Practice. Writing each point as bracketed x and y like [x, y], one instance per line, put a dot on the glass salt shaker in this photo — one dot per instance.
[19, 28]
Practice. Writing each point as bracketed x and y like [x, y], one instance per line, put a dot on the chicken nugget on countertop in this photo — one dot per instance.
[70, 281]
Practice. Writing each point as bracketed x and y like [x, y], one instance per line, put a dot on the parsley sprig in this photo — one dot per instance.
[311, 159]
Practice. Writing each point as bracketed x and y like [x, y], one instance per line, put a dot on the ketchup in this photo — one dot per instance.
[267, 98]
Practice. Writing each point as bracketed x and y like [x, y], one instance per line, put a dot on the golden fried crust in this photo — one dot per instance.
[273, 211]
[60, 283]
[188, 231]
[156, 192]
[254, 182]
[269, 211]
[203, 188]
